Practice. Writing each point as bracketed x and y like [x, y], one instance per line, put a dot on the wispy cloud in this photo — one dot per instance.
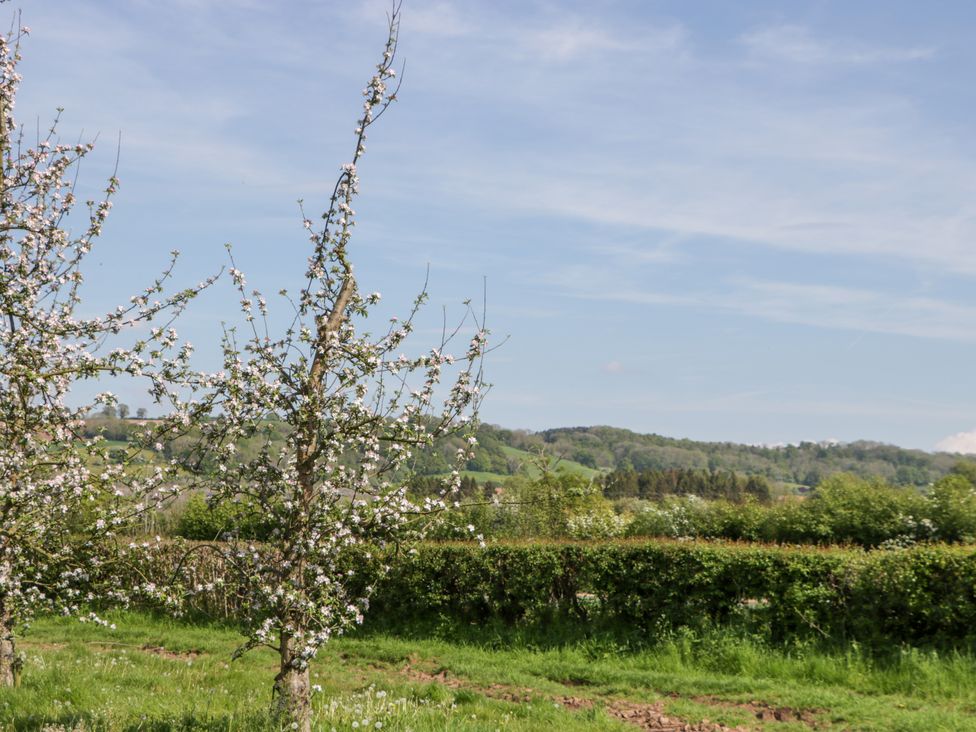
[676, 145]
[574, 38]
[764, 403]
[562, 43]
[442, 19]
[797, 44]
[855, 309]
[546, 36]
[810, 179]
[816, 305]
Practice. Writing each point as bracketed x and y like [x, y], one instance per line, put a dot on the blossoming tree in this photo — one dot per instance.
[354, 407]
[63, 503]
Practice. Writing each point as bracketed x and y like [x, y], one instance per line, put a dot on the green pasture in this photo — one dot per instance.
[530, 462]
[155, 674]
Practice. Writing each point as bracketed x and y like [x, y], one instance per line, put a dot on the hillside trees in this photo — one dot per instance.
[806, 463]
[657, 484]
[61, 503]
[354, 406]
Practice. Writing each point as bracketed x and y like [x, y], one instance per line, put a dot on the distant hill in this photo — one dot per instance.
[590, 451]
[612, 448]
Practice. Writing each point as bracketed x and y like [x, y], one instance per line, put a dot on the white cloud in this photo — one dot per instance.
[961, 442]
[796, 44]
[613, 367]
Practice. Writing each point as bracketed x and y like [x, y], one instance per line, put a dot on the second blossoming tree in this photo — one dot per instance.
[354, 408]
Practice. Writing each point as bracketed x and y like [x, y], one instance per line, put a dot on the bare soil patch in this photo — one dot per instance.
[166, 653]
[767, 712]
[652, 717]
[41, 645]
[644, 716]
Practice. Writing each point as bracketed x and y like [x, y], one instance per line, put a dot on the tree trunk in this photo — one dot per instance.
[9, 663]
[292, 704]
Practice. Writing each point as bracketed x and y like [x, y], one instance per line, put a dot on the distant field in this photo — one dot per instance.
[530, 462]
[161, 675]
[483, 477]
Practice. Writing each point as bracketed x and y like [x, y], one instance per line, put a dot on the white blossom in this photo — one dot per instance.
[354, 407]
[62, 496]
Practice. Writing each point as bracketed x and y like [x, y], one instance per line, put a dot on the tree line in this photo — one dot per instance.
[655, 485]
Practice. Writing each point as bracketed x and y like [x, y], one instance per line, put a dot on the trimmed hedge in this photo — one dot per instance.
[922, 595]
[925, 595]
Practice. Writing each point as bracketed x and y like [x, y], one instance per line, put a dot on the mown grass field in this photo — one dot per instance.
[154, 674]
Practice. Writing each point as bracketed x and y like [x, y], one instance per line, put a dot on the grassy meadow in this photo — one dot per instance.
[159, 674]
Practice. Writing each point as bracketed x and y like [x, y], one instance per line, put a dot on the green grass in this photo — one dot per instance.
[156, 675]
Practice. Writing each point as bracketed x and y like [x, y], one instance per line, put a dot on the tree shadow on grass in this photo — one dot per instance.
[68, 722]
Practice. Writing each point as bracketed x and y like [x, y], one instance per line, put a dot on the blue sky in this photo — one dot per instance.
[752, 222]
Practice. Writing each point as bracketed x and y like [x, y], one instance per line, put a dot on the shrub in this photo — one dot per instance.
[204, 520]
[846, 508]
[953, 509]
